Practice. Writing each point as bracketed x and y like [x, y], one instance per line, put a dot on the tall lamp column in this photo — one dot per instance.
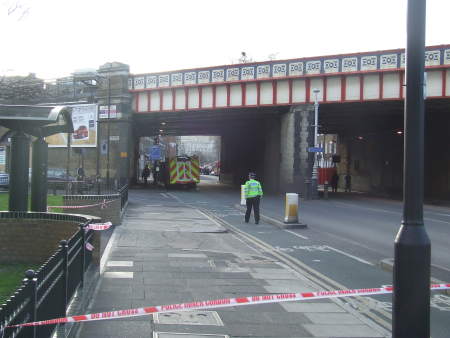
[314, 193]
[412, 250]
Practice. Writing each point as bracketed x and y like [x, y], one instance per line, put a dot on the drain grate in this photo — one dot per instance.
[189, 318]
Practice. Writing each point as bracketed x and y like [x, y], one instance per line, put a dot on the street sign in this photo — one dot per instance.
[315, 150]
[155, 153]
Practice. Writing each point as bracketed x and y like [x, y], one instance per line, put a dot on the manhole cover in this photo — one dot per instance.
[189, 318]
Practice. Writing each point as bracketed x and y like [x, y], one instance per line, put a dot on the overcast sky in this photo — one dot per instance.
[55, 37]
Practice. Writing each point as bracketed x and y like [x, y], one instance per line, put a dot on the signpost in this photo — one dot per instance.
[315, 150]
[155, 153]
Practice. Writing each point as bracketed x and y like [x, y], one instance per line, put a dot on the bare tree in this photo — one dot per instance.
[18, 9]
[21, 89]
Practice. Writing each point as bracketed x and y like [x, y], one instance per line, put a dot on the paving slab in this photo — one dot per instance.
[347, 331]
[305, 307]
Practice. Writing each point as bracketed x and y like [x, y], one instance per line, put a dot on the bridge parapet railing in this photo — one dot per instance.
[47, 292]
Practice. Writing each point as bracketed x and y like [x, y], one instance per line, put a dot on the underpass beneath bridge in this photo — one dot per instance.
[269, 141]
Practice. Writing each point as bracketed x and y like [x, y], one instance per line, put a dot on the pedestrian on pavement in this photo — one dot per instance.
[253, 193]
[348, 183]
[334, 182]
[155, 173]
[146, 173]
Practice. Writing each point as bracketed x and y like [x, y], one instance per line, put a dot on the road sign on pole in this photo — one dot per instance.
[155, 153]
[315, 150]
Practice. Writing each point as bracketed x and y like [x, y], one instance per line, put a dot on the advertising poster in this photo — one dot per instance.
[84, 119]
[103, 112]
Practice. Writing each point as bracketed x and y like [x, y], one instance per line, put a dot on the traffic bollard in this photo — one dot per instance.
[291, 210]
[243, 195]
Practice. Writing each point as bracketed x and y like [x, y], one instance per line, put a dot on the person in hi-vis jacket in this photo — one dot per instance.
[253, 193]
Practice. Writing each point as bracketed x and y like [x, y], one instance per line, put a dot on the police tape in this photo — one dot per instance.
[102, 205]
[99, 226]
[220, 303]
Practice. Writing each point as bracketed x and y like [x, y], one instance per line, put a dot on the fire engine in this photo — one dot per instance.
[182, 170]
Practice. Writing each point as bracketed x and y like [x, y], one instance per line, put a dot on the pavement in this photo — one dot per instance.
[169, 252]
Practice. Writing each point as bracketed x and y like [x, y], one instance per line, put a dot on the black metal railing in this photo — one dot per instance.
[46, 293]
[123, 197]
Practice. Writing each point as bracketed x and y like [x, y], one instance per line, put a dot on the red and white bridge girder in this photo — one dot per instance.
[202, 90]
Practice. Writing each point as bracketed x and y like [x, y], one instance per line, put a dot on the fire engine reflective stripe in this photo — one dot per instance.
[173, 178]
[182, 170]
[220, 303]
[173, 170]
[188, 172]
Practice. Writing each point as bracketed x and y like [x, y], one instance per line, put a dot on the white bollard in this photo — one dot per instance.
[243, 201]
[291, 211]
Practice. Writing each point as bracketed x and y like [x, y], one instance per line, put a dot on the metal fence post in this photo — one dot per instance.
[32, 287]
[83, 229]
[2, 321]
[325, 190]
[307, 192]
[65, 276]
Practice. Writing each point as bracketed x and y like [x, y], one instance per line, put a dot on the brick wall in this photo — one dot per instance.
[32, 237]
[32, 241]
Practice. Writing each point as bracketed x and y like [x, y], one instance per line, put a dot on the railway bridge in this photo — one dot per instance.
[263, 112]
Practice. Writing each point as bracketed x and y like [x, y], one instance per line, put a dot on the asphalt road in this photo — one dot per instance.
[346, 238]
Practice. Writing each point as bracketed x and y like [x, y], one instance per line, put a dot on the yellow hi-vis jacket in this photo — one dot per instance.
[252, 189]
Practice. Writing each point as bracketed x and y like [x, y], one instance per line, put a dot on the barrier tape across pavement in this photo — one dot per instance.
[103, 205]
[220, 303]
[99, 226]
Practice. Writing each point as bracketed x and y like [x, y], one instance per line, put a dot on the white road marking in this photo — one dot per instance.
[440, 267]
[437, 213]
[329, 247]
[120, 263]
[176, 198]
[210, 218]
[366, 208]
[296, 234]
[395, 212]
[435, 220]
[119, 274]
[349, 255]
[107, 251]
[246, 244]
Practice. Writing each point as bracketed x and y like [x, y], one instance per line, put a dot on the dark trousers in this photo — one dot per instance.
[252, 203]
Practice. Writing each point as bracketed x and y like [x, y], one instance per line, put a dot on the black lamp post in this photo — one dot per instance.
[411, 298]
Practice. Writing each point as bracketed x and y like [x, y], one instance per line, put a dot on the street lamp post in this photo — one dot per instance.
[108, 126]
[411, 297]
[314, 175]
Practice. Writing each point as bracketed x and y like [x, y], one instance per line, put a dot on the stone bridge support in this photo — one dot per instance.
[297, 134]
[115, 132]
